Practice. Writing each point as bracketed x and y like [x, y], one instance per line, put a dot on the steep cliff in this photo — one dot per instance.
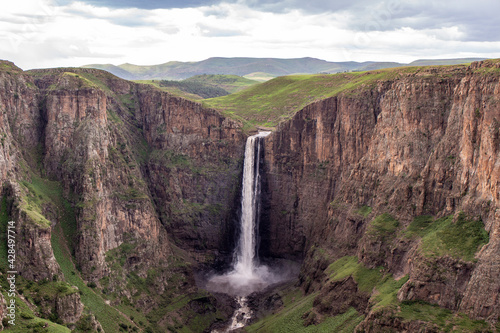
[401, 172]
[105, 179]
[194, 169]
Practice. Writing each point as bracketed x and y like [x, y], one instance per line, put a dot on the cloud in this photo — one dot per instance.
[212, 31]
[51, 33]
[149, 4]
[477, 20]
[130, 17]
[311, 7]
[35, 53]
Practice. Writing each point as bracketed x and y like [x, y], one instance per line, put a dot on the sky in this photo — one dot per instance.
[59, 33]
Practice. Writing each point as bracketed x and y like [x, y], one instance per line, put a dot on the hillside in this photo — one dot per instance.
[433, 62]
[279, 99]
[203, 86]
[271, 67]
[230, 83]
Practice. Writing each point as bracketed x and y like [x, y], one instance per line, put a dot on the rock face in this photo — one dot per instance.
[119, 166]
[337, 297]
[21, 130]
[194, 168]
[141, 163]
[69, 308]
[421, 143]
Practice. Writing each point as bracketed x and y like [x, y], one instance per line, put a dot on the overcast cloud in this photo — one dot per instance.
[53, 33]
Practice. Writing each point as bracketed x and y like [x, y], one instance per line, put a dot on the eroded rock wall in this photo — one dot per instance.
[422, 143]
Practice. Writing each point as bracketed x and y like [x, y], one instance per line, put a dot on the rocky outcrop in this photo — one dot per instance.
[336, 297]
[37, 261]
[78, 140]
[19, 107]
[419, 142]
[69, 308]
[442, 281]
[3, 310]
[378, 322]
[140, 162]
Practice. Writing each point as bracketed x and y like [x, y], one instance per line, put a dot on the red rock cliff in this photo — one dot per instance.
[423, 143]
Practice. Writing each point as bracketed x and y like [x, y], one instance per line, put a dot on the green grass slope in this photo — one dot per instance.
[194, 87]
[278, 99]
[176, 91]
[230, 83]
[291, 318]
[118, 71]
[459, 237]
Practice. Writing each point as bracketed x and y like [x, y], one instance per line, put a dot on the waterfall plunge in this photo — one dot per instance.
[246, 259]
[247, 275]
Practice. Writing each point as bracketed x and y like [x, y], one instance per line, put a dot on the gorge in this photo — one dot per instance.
[386, 190]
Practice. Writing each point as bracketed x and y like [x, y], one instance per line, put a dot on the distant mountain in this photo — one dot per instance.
[271, 67]
[379, 65]
[116, 70]
[437, 62]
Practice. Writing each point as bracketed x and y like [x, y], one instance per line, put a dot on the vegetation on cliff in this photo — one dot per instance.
[376, 157]
[313, 312]
[384, 181]
[459, 237]
[90, 163]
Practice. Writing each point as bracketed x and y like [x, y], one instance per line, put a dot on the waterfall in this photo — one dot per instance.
[246, 258]
[247, 274]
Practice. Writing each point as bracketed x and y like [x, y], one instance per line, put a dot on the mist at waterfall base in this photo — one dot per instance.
[248, 275]
[238, 283]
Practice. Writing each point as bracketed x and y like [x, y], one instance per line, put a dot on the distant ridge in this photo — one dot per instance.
[437, 62]
[176, 70]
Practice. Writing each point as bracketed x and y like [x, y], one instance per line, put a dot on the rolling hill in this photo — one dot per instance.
[203, 86]
[269, 103]
[264, 67]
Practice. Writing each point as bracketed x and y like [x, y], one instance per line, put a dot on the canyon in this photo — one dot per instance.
[124, 196]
